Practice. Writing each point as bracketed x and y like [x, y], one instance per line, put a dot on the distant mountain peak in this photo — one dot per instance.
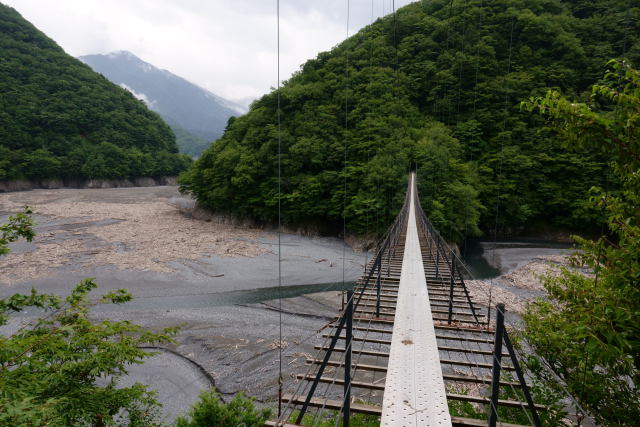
[120, 55]
[117, 53]
[185, 106]
[123, 55]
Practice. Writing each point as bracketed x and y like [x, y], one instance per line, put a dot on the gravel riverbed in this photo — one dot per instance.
[218, 282]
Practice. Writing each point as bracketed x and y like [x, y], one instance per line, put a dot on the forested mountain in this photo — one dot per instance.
[60, 119]
[196, 115]
[438, 86]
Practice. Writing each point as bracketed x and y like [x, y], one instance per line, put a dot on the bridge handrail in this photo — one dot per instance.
[440, 244]
[390, 236]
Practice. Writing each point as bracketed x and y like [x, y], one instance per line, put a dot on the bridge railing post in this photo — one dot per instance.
[438, 258]
[389, 258]
[466, 294]
[497, 364]
[452, 282]
[376, 264]
[321, 368]
[378, 285]
[346, 409]
[523, 384]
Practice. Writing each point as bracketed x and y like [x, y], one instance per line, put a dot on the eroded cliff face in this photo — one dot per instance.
[25, 185]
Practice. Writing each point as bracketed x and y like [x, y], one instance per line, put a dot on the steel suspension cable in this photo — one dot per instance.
[344, 166]
[366, 249]
[475, 99]
[499, 175]
[626, 29]
[280, 345]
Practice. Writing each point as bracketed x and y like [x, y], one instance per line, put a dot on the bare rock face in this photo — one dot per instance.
[145, 182]
[7, 186]
[362, 243]
[48, 184]
[167, 180]
[100, 183]
[51, 183]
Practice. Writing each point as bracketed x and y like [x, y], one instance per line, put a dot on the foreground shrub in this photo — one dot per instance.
[210, 411]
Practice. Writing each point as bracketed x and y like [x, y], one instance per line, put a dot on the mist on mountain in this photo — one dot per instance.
[197, 116]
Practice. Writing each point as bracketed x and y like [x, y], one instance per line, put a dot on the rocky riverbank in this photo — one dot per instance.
[520, 267]
[518, 286]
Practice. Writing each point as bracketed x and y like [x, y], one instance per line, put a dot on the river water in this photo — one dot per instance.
[221, 299]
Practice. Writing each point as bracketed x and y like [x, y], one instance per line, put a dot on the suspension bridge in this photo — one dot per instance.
[409, 343]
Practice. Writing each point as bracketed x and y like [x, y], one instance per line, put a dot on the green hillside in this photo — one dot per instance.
[447, 100]
[59, 119]
[188, 143]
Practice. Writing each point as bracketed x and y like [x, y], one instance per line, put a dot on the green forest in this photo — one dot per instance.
[437, 87]
[188, 143]
[59, 119]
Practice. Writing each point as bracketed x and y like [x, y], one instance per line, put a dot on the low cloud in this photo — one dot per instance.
[141, 96]
[227, 47]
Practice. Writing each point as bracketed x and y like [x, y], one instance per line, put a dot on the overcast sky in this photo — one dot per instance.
[226, 46]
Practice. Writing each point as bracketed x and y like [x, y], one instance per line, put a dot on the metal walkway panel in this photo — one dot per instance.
[415, 393]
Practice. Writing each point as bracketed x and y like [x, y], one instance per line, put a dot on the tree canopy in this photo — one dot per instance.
[588, 330]
[437, 87]
[59, 119]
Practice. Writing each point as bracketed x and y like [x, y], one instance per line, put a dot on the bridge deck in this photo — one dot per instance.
[414, 393]
[420, 347]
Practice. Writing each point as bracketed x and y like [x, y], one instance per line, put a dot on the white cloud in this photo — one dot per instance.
[141, 96]
[227, 47]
